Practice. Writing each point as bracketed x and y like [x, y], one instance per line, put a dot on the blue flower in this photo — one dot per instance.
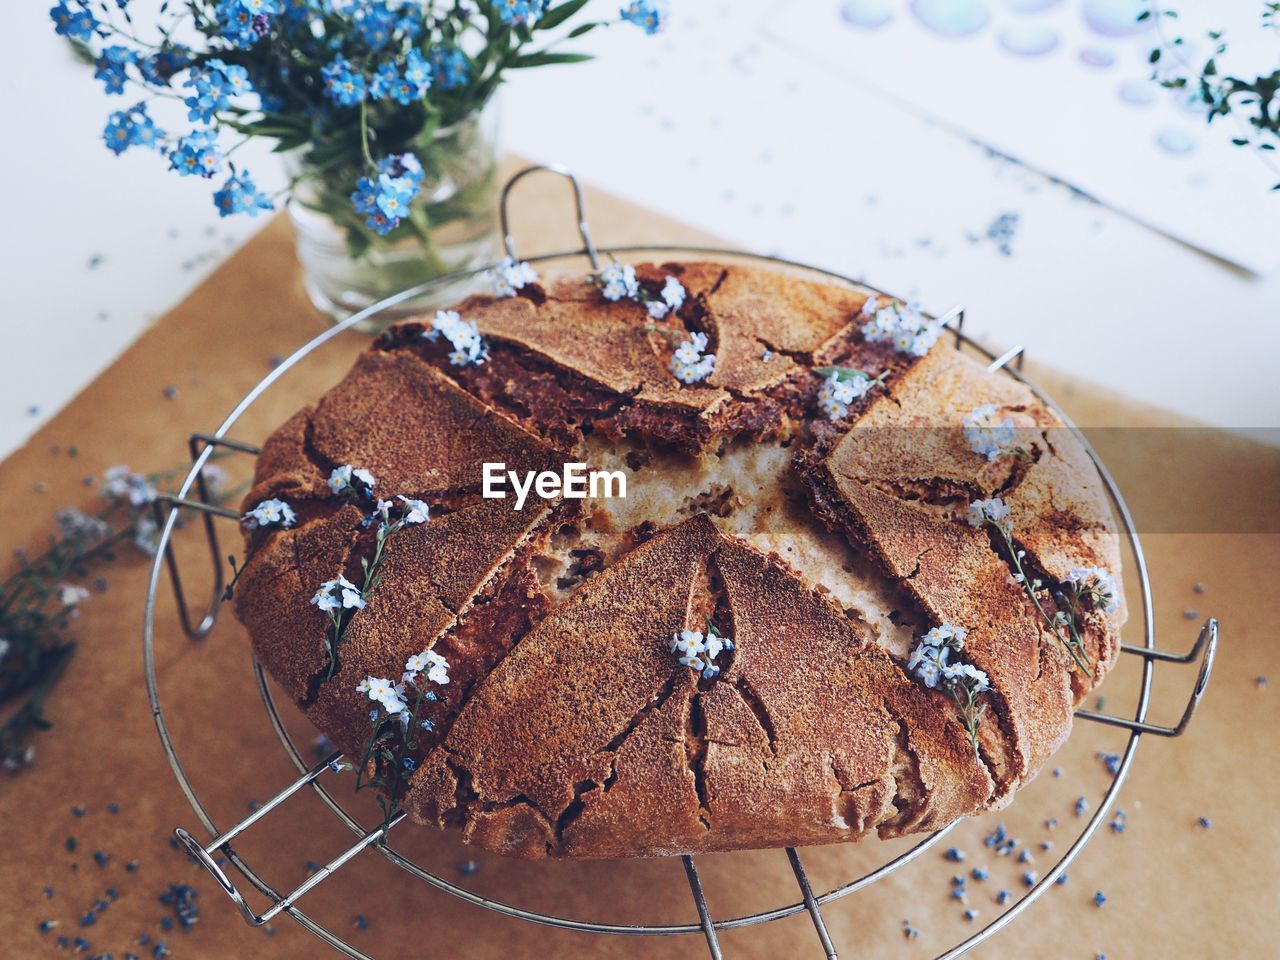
[71, 20]
[402, 165]
[159, 68]
[649, 15]
[131, 128]
[214, 84]
[110, 67]
[385, 80]
[394, 195]
[196, 154]
[518, 12]
[244, 21]
[301, 11]
[365, 199]
[417, 71]
[240, 195]
[450, 66]
[342, 83]
[385, 200]
[376, 23]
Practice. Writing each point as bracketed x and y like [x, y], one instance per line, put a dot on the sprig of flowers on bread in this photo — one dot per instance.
[843, 387]
[936, 662]
[990, 439]
[618, 281]
[903, 325]
[339, 597]
[511, 276]
[396, 718]
[690, 362]
[995, 513]
[469, 348]
[699, 650]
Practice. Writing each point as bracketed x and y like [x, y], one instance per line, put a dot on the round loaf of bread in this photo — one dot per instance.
[823, 531]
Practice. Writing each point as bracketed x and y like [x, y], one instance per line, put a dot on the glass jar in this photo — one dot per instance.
[452, 225]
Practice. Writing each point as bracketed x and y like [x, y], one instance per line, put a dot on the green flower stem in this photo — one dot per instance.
[970, 710]
[1073, 645]
[364, 135]
[340, 618]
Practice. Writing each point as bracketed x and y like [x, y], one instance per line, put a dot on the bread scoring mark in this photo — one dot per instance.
[695, 747]
[910, 794]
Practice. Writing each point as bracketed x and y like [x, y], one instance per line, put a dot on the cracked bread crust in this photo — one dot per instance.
[567, 728]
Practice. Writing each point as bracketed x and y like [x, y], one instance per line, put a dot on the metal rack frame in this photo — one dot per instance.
[194, 495]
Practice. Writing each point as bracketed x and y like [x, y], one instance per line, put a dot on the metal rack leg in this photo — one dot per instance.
[704, 914]
[1206, 641]
[811, 903]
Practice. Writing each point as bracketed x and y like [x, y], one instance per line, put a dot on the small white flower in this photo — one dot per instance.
[437, 668]
[338, 594]
[395, 704]
[215, 478]
[376, 688]
[415, 511]
[967, 675]
[931, 661]
[271, 513]
[1097, 584]
[995, 511]
[687, 642]
[988, 438]
[416, 663]
[342, 480]
[714, 646]
[657, 309]
[946, 635]
[839, 391]
[463, 335]
[832, 408]
[618, 282]
[146, 535]
[689, 363]
[673, 293]
[69, 595]
[510, 276]
[906, 327]
[929, 672]
[363, 685]
[119, 483]
[697, 650]
[79, 526]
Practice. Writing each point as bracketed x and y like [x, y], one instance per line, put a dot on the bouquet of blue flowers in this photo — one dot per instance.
[359, 90]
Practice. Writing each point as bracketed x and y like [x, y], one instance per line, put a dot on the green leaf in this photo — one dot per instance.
[582, 30]
[558, 15]
[545, 58]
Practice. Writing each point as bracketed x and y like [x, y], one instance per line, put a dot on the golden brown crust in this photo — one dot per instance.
[567, 728]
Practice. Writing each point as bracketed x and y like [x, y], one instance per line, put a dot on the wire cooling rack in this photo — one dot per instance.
[193, 495]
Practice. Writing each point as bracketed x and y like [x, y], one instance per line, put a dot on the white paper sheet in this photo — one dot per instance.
[1062, 86]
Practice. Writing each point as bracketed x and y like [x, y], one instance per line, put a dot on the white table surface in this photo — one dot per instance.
[713, 122]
